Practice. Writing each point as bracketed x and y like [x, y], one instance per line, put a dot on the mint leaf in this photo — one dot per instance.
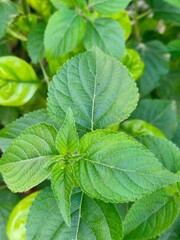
[67, 29]
[35, 43]
[116, 168]
[67, 140]
[22, 163]
[107, 35]
[62, 185]
[98, 89]
[108, 7]
[46, 222]
[14, 129]
[150, 216]
[165, 151]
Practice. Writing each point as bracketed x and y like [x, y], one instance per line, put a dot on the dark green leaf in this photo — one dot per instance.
[107, 35]
[35, 43]
[98, 89]
[22, 163]
[150, 216]
[90, 219]
[174, 47]
[116, 168]
[160, 113]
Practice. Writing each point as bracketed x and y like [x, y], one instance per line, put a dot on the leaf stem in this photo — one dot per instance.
[25, 7]
[16, 35]
[144, 14]
[46, 78]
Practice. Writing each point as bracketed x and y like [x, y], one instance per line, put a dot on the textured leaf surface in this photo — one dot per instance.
[150, 216]
[14, 129]
[108, 7]
[160, 113]
[98, 89]
[116, 168]
[22, 163]
[46, 222]
[62, 185]
[155, 58]
[64, 31]
[16, 86]
[67, 140]
[107, 35]
[165, 151]
[35, 43]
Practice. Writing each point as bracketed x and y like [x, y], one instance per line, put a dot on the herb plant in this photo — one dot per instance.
[102, 148]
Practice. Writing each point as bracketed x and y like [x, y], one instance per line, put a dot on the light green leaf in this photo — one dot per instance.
[165, 151]
[150, 216]
[67, 140]
[108, 7]
[35, 45]
[22, 163]
[138, 127]
[160, 113]
[133, 62]
[67, 29]
[107, 35]
[98, 89]
[8, 11]
[123, 19]
[16, 86]
[156, 62]
[14, 129]
[62, 185]
[116, 168]
[46, 222]
[58, 3]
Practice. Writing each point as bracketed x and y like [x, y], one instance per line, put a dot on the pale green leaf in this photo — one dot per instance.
[64, 32]
[158, 112]
[62, 185]
[35, 43]
[107, 35]
[22, 163]
[108, 7]
[8, 11]
[98, 89]
[116, 168]
[67, 140]
[14, 129]
[165, 151]
[150, 216]
[156, 61]
[90, 219]
[16, 86]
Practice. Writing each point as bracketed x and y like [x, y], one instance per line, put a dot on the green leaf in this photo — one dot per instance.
[174, 47]
[107, 35]
[62, 185]
[67, 29]
[116, 168]
[46, 222]
[14, 129]
[8, 11]
[7, 201]
[35, 45]
[176, 137]
[16, 86]
[124, 20]
[58, 3]
[8, 115]
[165, 11]
[175, 3]
[150, 216]
[165, 151]
[42, 7]
[138, 127]
[98, 89]
[22, 163]
[156, 62]
[67, 140]
[133, 62]
[108, 7]
[160, 113]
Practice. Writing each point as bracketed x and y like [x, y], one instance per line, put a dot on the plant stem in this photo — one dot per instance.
[25, 7]
[46, 78]
[136, 25]
[16, 35]
[144, 14]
